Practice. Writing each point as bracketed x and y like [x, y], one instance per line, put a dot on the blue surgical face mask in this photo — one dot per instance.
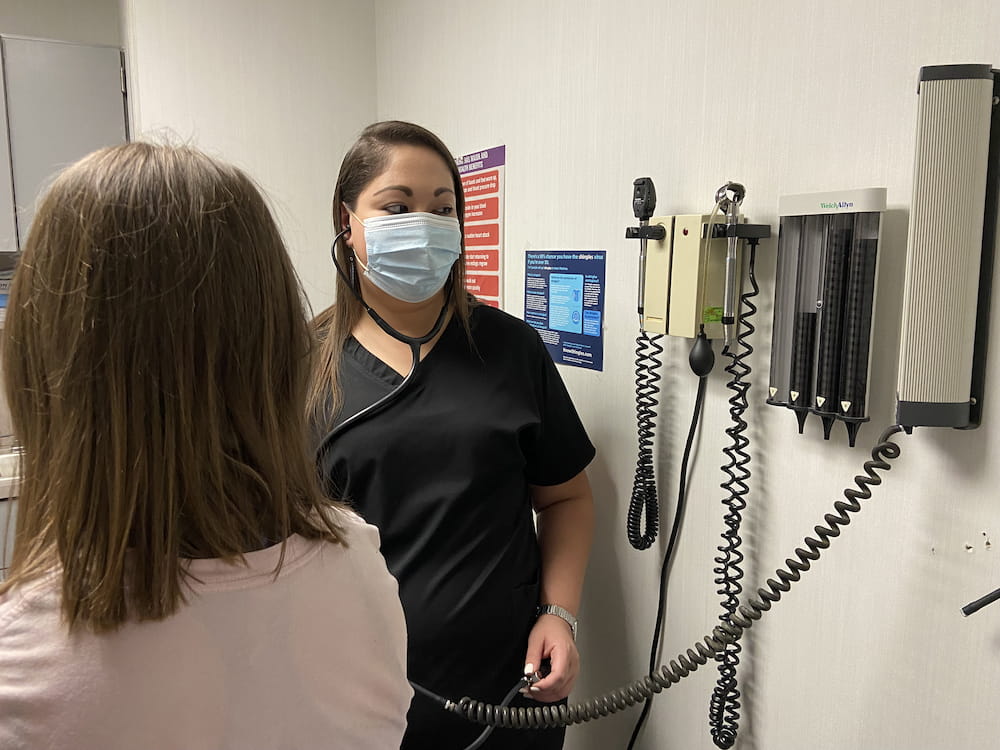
[410, 255]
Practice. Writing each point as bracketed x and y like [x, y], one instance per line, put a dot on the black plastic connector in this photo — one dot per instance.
[647, 232]
[741, 231]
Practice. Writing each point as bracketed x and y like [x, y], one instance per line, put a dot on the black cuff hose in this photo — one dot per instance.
[668, 556]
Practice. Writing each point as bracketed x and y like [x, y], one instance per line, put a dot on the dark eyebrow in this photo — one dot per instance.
[400, 188]
[407, 191]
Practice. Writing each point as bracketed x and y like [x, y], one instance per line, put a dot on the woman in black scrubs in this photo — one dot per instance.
[451, 469]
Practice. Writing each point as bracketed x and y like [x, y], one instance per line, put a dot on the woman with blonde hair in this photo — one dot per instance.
[178, 580]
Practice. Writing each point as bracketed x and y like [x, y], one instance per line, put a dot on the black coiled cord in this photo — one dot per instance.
[724, 707]
[644, 508]
[668, 556]
[542, 717]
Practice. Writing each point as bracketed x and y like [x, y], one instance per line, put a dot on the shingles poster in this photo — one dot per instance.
[564, 301]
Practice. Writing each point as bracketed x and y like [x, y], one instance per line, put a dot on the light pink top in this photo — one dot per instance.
[314, 659]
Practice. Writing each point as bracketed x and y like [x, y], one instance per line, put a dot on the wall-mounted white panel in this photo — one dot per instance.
[63, 101]
[8, 523]
[8, 225]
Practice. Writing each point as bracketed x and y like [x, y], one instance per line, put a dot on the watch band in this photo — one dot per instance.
[555, 609]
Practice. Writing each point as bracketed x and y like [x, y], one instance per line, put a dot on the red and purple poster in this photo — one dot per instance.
[482, 182]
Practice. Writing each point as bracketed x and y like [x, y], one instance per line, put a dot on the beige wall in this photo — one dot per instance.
[281, 89]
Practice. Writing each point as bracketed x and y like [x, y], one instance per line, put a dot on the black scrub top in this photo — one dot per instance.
[443, 472]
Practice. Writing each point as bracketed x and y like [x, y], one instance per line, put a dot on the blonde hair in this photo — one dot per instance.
[156, 358]
[366, 160]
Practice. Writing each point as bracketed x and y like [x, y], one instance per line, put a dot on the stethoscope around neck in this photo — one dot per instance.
[414, 342]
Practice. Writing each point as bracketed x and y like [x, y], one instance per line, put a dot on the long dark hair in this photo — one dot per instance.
[366, 160]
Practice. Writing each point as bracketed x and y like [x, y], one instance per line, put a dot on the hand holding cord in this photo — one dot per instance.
[712, 644]
[524, 683]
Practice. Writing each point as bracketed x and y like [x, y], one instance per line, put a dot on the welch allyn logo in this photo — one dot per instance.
[836, 205]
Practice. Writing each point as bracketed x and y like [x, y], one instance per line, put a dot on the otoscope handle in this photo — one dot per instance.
[643, 205]
[641, 304]
[729, 197]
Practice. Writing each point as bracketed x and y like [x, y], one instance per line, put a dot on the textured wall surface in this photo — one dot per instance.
[281, 89]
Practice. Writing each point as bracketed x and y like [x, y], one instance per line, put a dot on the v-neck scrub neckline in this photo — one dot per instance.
[375, 366]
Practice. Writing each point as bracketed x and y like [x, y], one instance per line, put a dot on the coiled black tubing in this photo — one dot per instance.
[724, 634]
[724, 707]
[644, 508]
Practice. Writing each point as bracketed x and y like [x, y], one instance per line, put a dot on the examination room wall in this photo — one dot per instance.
[869, 650]
[279, 88]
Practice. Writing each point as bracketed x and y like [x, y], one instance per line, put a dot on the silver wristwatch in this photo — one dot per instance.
[555, 609]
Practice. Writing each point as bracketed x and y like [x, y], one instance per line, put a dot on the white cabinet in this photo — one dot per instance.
[60, 102]
[8, 516]
[9, 471]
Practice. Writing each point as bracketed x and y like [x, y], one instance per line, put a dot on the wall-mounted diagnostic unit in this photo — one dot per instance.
[824, 303]
[693, 275]
[685, 276]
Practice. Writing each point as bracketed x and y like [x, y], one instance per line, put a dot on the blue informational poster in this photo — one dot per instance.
[564, 300]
